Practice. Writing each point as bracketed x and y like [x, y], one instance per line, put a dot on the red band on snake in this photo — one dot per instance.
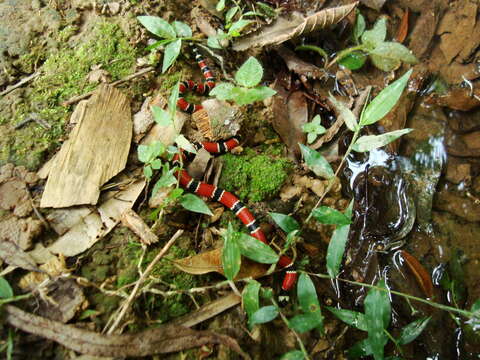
[222, 196]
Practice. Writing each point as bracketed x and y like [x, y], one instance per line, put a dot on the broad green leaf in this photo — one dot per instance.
[144, 153]
[250, 300]
[231, 257]
[157, 149]
[222, 91]
[285, 222]
[377, 318]
[182, 29]
[359, 27]
[293, 355]
[196, 204]
[184, 144]
[158, 26]
[360, 349]
[171, 53]
[267, 10]
[384, 101]
[231, 13]
[413, 330]
[167, 179]
[307, 295]
[370, 142]
[264, 315]
[352, 318]
[316, 162]
[394, 51]
[220, 5]
[147, 171]
[353, 60]
[306, 322]
[375, 36]
[336, 249]
[385, 64]
[245, 96]
[161, 116]
[250, 73]
[5, 289]
[213, 42]
[256, 250]
[238, 26]
[327, 215]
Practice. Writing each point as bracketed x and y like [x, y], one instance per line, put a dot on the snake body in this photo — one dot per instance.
[224, 197]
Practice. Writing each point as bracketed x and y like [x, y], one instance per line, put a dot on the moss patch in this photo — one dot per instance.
[252, 176]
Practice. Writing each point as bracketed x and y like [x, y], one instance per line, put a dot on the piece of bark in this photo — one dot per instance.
[96, 151]
[135, 223]
[20, 231]
[424, 30]
[143, 120]
[161, 340]
[197, 167]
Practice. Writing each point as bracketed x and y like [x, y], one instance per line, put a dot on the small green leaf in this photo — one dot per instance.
[264, 315]
[360, 349]
[231, 13]
[245, 96]
[384, 101]
[256, 250]
[182, 29]
[231, 257]
[144, 153]
[394, 51]
[156, 164]
[307, 295]
[267, 10]
[5, 289]
[88, 313]
[359, 27]
[220, 5]
[172, 100]
[157, 44]
[413, 330]
[214, 43]
[306, 322]
[352, 318]
[161, 116]
[375, 36]
[147, 171]
[172, 51]
[184, 144]
[158, 26]
[250, 299]
[377, 318]
[238, 26]
[313, 128]
[385, 64]
[167, 179]
[353, 60]
[194, 203]
[222, 91]
[370, 142]
[250, 73]
[293, 355]
[316, 162]
[285, 222]
[327, 215]
[336, 249]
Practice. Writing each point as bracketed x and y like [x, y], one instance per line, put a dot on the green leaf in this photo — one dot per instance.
[267, 10]
[316, 162]
[167, 179]
[370, 142]
[250, 299]
[394, 51]
[245, 96]
[161, 116]
[385, 64]
[156, 164]
[157, 44]
[250, 73]
[214, 43]
[375, 36]
[158, 26]
[377, 318]
[336, 249]
[413, 330]
[305, 322]
[360, 349]
[353, 60]
[384, 101]
[352, 318]
[172, 100]
[307, 295]
[285, 222]
[264, 315]
[172, 51]
[88, 313]
[231, 257]
[313, 128]
[223, 91]
[238, 26]
[196, 204]
[144, 153]
[327, 215]
[147, 171]
[256, 250]
[182, 29]
[220, 5]
[231, 13]
[5, 289]
[295, 354]
[184, 144]
[359, 27]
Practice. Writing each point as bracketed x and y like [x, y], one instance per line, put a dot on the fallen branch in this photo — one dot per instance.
[20, 83]
[76, 99]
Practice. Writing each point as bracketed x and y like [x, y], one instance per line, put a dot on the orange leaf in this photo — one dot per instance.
[403, 28]
[421, 275]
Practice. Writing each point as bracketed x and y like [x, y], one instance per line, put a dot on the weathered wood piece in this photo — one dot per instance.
[135, 223]
[96, 151]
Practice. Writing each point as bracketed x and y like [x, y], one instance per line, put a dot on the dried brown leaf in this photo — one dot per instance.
[299, 66]
[284, 29]
[160, 340]
[421, 275]
[13, 255]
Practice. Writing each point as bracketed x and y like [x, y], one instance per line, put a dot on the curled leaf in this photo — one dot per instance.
[421, 275]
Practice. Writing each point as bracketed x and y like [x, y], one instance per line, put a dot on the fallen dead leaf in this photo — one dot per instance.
[14, 255]
[135, 223]
[298, 66]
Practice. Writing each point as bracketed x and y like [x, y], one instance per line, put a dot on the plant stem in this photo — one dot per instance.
[344, 53]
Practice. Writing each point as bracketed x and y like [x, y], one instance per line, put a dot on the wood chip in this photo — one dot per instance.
[96, 151]
[135, 223]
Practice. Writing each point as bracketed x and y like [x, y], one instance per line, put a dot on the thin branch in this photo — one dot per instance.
[20, 83]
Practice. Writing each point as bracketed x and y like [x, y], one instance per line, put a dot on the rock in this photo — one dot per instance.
[20, 231]
[454, 203]
[458, 172]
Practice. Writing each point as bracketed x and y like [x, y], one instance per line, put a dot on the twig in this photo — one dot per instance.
[20, 83]
[140, 281]
[76, 99]
[33, 117]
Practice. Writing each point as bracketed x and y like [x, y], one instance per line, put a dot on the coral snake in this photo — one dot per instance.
[220, 147]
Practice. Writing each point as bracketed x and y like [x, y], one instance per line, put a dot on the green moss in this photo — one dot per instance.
[254, 177]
